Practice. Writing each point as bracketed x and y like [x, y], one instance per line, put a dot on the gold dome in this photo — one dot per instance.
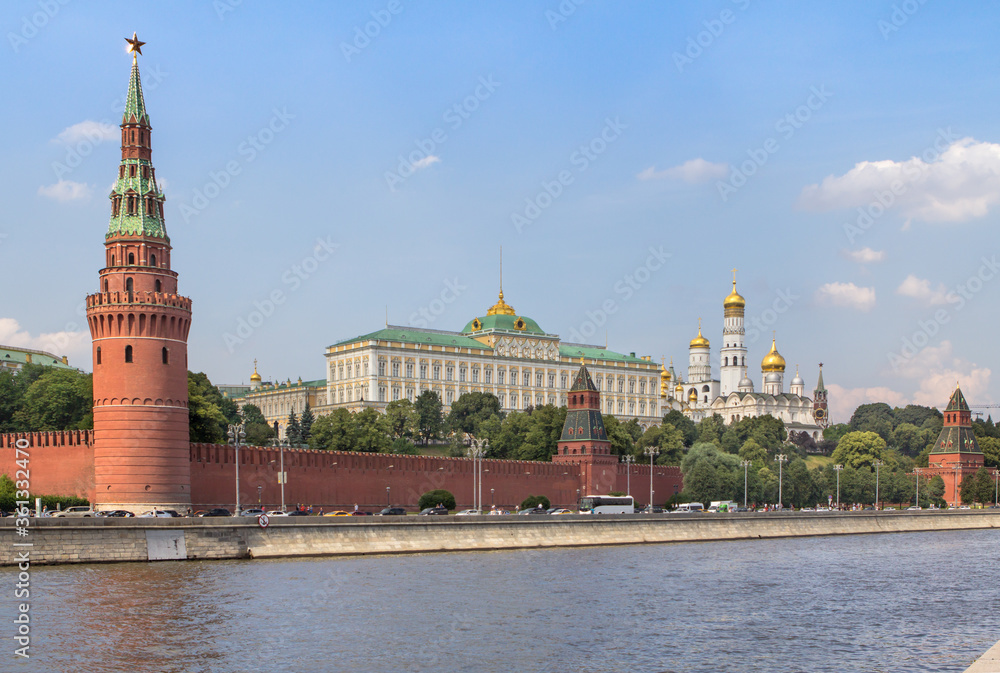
[699, 341]
[679, 388]
[734, 300]
[773, 362]
[693, 395]
[255, 377]
[501, 307]
[665, 375]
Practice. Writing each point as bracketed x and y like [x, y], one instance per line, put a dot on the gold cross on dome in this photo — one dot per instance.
[134, 45]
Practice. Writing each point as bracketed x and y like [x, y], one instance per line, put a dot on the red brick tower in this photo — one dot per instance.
[956, 454]
[139, 326]
[584, 441]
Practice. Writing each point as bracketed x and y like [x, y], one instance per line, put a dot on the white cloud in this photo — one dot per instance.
[958, 184]
[693, 171]
[95, 132]
[931, 374]
[426, 161]
[65, 190]
[865, 255]
[74, 345]
[919, 288]
[848, 295]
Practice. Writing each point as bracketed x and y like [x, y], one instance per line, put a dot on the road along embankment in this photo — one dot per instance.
[111, 540]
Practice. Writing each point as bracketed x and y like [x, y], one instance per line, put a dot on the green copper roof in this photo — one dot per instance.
[135, 105]
[583, 425]
[12, 356]
[418, 336]
[957, 402]
[583, 380]
[956, 439]
[507, 323]
[595, 353]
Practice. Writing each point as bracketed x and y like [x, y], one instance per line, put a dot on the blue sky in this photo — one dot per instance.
[349, 157]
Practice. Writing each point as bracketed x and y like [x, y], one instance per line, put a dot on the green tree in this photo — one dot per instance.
[541, 440]
[305, 423]
[858, 449]
[634, 430]
[429, 421]
[753, 451]
[230, 410]
[687, 427]
[334, 432]
[293, 430]
[370, 434]
[667, 439]
[470, 410]
[435, 498]
[978, 487]
[935, 490]
[259, 431]
[621, 441]
[58, 399]
[206, 422]
[990, 446]
[506, 440]
[401, 419]
[711, 429]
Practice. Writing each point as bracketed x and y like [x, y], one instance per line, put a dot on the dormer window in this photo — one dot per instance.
[131, 171]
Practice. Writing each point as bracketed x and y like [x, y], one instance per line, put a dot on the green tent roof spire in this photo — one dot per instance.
[135, 105]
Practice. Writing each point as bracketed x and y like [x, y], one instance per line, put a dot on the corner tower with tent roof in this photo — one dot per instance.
[139, 326]
[956, 453]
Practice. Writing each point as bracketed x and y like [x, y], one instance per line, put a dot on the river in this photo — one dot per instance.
[900, 602]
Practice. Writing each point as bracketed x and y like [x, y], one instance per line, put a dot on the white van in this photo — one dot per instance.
[722, 506]
[690, 507]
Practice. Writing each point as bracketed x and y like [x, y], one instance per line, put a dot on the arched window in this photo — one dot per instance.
[105, 285]
[128, 284]
[112, 260]
[725, 362]
[152, 260]
[131, 258]
[166, 356]
[158, 285]
[128, 354]
[98, 355]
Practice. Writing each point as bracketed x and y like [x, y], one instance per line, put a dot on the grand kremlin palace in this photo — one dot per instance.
[510, 356]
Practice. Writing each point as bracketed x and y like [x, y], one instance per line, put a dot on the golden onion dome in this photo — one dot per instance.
[693, 395]
[699, 341]
[734, 300]
[255, 377]
[665, 375]
[773, 362]
[679, 388]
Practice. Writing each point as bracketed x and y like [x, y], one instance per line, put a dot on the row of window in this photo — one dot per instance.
[540, 379]
[131, 259]
[129, 136]
[151, 206]
[164, 355]
[146, 171]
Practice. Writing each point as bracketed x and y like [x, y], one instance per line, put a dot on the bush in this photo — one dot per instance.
[533, 501]
[7, 498]
[434, 498]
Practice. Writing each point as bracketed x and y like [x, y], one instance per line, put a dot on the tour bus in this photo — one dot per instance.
[690, 507]
[607, 504]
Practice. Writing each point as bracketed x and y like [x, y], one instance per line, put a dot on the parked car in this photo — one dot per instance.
[651, 510]
[298, 512]
[78, 511]
[913, 508]
[359, 512]
[533, 510]
[393, 511]
[155, 514]
[277, 512]
[337, 512]
[217, 511]
[117, 514]
[468, 512]
[252, 512]
[434, 511]
[561, 510]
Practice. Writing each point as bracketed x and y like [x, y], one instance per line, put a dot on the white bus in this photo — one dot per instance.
[690, 507]
[607, 504]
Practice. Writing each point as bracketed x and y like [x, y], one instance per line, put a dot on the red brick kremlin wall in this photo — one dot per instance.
[62, 463]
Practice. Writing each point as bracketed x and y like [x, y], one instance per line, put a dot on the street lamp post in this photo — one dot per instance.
[746, 466]
[477, 448]
[996, 479]
[282, 443]
[493, 501]
[260, 489]
[652, 452]
[628, 474]
[781, 459]
[388, 501]
[958, 468]
[916, 471]
[237, 433]
[878, 464]
[838, 469]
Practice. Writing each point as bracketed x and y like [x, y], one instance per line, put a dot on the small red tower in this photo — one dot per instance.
[584, 441]
[139, 326]
[956, 453]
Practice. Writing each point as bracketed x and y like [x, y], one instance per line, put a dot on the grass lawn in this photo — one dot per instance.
[818, 461]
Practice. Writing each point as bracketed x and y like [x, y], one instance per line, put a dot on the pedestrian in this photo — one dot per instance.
[355, 507]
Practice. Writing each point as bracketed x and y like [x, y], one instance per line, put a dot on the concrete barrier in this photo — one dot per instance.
[109, 540]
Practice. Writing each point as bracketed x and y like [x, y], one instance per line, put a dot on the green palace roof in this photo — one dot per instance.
[576, 351]
[10, 355]
[418, 336]
[506, 323]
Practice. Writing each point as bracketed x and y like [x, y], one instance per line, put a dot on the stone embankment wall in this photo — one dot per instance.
[108, 540]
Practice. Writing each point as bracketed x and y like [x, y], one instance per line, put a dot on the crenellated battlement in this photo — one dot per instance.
[116, 300]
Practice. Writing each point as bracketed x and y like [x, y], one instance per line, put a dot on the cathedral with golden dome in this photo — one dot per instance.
[732, 395]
